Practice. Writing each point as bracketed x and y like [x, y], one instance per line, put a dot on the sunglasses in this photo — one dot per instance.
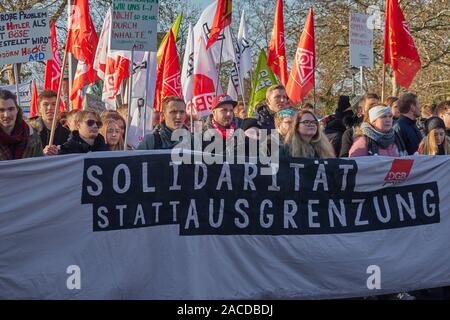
[91, 122]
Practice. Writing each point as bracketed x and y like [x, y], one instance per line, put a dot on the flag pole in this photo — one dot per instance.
[129, 99]
[384, 82]
[58, 99]
[238, 69]
[362, 80]
[17, 79]
[220, 63]
[70, 72]
[314, 89]
[145, 94]
[190, 114]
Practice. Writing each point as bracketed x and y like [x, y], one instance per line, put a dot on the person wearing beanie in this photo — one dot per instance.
[283, 122]
[435, 142]
[376, 136]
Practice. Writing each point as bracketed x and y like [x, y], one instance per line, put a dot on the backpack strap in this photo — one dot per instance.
[157, 140]
[372, 147]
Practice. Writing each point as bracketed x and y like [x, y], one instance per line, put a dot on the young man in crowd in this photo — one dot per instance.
[43, 123]
[86, 138]
[347, 138]
[174, 110]
[17, 139]
[276, 100]
[409, 107]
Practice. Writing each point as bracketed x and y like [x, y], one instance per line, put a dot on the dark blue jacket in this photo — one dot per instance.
[409, 132]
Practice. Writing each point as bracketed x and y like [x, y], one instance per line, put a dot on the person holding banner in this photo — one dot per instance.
[174, 110]
[17, 139]
[305, 139]
[376, 136]
[43, 123]
[86, 138]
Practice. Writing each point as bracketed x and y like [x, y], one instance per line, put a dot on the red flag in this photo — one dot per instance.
[82, 42]
[399, 48]
[33, 103]
[276, 56]
[222, 18]
[53, 67]
[301, 80]
[168, 78]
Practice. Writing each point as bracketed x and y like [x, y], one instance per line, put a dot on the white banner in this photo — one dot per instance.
[361, 41]
[24, 89]
[134, 25]
[24, 36]
[134, 225]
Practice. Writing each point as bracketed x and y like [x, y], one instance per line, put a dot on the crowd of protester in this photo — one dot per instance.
[397, 127]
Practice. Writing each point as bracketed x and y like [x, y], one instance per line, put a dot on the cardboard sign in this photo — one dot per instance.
[134, 25]
[24, 36]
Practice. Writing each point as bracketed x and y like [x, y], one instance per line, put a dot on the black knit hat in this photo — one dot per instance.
[343, 104]
[433, 123]
[250, 123]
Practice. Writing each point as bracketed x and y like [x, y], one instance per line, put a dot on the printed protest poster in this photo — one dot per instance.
[361, 41]
[24, 36]
[134, 25]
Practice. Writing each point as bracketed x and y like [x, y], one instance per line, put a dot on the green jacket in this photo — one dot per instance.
[33, 148]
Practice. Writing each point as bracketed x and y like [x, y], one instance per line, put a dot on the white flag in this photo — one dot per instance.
[187, 71]
[203, 28]
[145, 65]
[205, 78]
[243, 61]
[102, 47]
[107, 61]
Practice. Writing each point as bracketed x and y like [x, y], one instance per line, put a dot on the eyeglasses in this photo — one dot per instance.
[309, 122]
[91, 122]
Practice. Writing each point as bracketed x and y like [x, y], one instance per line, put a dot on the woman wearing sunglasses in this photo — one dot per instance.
[305, 138]
[87, 137]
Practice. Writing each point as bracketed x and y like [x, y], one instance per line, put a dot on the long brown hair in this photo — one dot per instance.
[119, 146]
[319, 144]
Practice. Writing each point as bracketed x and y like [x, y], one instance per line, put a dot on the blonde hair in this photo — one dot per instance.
[429, 146]
[119, 146]
[319, 144]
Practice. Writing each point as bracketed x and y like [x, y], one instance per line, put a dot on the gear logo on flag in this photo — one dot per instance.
[305, 65]
[174, 83]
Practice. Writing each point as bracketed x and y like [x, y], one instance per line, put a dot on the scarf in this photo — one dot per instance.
[384, 140]
[13, 146]
[225, 133]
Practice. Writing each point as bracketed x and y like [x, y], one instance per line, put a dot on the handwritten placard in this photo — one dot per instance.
[134, 25]
[361, 41]
[24, 36]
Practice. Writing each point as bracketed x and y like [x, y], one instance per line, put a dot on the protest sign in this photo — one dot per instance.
[361, 41]
[24, 36]
[134, 25]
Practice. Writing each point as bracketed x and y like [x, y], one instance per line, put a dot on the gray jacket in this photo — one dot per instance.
[160, 138]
